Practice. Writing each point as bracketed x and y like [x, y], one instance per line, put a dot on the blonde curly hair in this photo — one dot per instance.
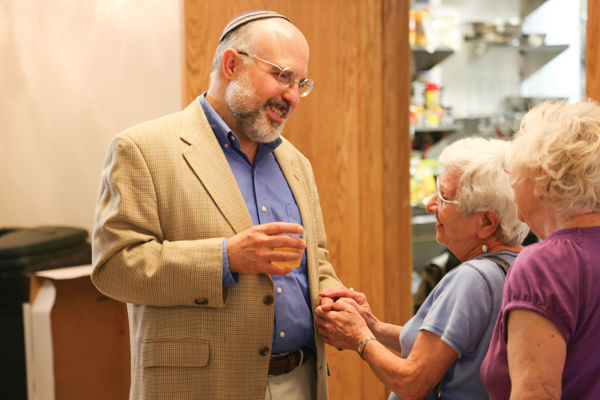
[559, 145]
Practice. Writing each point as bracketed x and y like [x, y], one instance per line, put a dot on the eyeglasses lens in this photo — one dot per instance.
[288, 78]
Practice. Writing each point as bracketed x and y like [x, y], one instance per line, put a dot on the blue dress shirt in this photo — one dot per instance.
[269, 199]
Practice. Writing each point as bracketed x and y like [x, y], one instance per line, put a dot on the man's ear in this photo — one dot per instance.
[488, 223]
[229, 64]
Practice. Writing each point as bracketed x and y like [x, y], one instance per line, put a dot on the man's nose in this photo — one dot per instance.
[292, 95]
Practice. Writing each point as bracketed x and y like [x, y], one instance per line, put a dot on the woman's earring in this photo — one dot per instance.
[484, 248]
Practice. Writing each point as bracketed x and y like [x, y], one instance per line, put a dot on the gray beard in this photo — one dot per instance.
[250, 114]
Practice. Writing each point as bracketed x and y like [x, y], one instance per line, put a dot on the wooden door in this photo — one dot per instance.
[354, 129]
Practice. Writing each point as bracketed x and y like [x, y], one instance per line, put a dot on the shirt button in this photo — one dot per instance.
[282, 334]
[279, 290]
[232, 138]
[264, 209]
[226, 145]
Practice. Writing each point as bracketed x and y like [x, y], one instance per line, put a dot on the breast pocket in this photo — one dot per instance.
[173, 366]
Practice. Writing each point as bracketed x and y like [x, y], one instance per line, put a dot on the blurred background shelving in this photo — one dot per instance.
[477, 67]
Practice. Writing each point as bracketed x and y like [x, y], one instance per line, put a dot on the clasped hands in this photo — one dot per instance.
[345, 319]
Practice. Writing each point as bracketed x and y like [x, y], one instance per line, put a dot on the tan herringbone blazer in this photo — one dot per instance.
[167, 199]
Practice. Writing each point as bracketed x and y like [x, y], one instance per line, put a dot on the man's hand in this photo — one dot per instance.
[326, 303]
[251, 251]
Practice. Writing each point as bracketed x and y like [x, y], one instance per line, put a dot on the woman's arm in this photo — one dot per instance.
[410, 378]
[536, 356]
[416, 376]
[389, 335]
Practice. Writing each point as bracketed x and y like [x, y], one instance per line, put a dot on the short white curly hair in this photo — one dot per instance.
[483, 184]
[559, 145]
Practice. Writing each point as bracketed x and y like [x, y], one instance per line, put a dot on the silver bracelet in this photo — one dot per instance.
[361, 346]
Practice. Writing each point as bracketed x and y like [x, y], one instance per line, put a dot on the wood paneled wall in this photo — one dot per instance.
[354, 129]
[592, 62]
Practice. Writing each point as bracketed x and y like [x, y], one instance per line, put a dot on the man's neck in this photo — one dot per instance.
[247, 146]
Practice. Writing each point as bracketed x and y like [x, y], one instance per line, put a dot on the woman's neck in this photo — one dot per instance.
[494, 245]
[496, 249]
[580, 221]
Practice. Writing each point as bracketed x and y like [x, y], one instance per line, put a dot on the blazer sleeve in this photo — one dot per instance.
[133, 262]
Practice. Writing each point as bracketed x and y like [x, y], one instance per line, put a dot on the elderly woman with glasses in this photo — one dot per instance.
[443, 345]
[545, 342]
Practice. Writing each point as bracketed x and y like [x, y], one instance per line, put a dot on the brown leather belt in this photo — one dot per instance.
[285, 363]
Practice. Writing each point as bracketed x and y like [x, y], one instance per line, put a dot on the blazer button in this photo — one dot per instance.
[268, 300]
[201, 302]
[263, 351]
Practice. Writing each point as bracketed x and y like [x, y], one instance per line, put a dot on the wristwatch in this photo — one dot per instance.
[361, 346]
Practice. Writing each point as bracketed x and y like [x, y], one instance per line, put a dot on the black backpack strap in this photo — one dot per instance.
[500, 262]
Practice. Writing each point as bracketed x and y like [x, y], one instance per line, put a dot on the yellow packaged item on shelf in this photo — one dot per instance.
[422, 180]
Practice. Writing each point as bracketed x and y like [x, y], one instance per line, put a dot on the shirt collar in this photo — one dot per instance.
[225, 135]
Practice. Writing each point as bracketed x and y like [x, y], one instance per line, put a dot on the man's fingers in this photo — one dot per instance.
[326, 303]
[286, 241]
[284, 254]
[278, 270]
[277, 235]
[276, 228]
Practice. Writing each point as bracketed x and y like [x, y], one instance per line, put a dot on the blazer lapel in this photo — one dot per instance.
[289, 163]
[291, 170]
[206, 158]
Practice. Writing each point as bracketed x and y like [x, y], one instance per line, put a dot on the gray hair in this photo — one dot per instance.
[559, 145]
[483, 184]
[242, 39]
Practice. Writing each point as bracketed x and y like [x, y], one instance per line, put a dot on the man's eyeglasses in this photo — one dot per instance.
[287, 77]
[443, 201]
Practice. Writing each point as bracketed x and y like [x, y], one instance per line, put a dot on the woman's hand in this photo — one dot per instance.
[341, 325]
[357, 299]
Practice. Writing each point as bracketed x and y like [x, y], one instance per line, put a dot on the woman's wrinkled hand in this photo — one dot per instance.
[341, 325]
[356, 299]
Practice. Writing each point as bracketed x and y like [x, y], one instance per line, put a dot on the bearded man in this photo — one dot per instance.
[192, 213]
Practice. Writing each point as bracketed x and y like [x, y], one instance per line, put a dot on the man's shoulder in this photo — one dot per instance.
[160, 127]
[146, 129]
[286, 148]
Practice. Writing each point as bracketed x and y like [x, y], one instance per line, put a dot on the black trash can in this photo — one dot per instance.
[24, 251]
